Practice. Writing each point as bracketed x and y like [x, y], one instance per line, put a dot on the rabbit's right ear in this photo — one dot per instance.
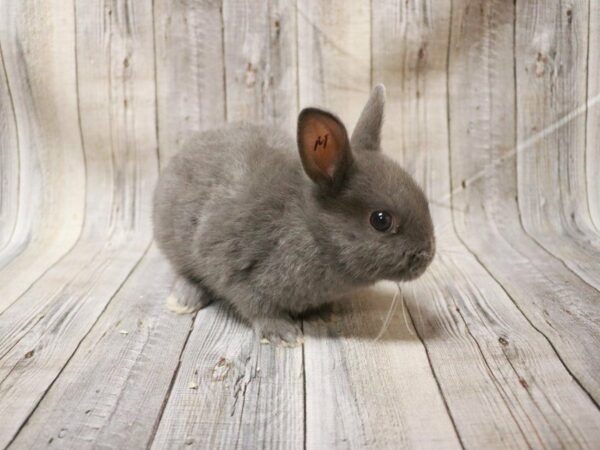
[324, 147]
[367, 133]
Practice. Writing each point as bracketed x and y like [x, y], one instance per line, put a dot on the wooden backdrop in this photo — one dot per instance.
[492, 105]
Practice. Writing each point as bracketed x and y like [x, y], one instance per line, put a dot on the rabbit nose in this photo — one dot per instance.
[413, 260]
[418, 259]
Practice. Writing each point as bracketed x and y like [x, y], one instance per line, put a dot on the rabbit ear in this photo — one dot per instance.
[367, 133]
[324, 147]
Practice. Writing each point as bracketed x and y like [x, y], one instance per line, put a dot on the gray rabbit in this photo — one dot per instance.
[243, 220]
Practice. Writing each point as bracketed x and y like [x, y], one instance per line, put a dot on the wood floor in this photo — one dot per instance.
[493, 106]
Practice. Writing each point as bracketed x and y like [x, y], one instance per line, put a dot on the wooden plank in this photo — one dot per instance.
[460, 312]
[592, 161]
[111, 392]
[334, 55]
[189, 70]
[556, 301]
[260, 56]
[9, 160]
[356, 385]
[504, 385]
[551, 72]
[51, 184]
[369, 391]
[42, 330]
[483, 352]
[230, 391]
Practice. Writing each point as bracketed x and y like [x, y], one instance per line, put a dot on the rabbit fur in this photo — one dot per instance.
[275, 226]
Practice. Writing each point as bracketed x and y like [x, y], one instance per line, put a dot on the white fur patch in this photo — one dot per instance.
[174, 305]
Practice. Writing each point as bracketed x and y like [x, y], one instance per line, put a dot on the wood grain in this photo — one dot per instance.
[50, 182]
[43, 329]
[260, 55]
[592, 155]
[9, 160]
[485, 210]
[189, 70]
[334, 55]
[551, 52]
[491, 106]
[471, 333]
[344, 349]
[509, 384]
[230, 391]
[112, 390]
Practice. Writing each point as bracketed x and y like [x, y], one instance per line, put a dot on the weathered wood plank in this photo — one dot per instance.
[483, 350]
[39, 69]
[334, 55]
[260, 56]
[369, 391]
[357, 394]
[551, 72]
[482, 133]
[422, 139]
[9, 159]
[45, 326]
[43, 329]
[189, 70]
[592, 161]
[502, 381]
[459, 311]
[111, 392]
[230, 391]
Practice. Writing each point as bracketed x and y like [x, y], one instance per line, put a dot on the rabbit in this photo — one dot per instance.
[244, 220]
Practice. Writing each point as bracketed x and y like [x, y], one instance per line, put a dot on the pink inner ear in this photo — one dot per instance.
[322, 146]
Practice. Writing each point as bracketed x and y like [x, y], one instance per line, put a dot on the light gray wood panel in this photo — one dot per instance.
[551, 72]
[504, 385]
[260, 55]
[43, 329]
[9, 159]
[231, 391]
[495, 347]
[369, 385]
[39, 66]
[189, 70]
[457, 307]
[111, 392]
[592, 160]
[115, 96]
[557, 302]
[347, 366]
[334, 55]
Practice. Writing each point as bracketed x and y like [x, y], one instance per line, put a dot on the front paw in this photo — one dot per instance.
[279, 332]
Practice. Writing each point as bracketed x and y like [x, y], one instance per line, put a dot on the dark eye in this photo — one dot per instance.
[381, 220]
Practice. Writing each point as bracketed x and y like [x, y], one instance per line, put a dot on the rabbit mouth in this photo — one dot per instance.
[407, 275]
[413, 266]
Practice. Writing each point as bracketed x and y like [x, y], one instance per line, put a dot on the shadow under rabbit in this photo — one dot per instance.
[377, 313]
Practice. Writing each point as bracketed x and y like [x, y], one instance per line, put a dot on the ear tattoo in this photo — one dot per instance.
[321, 141]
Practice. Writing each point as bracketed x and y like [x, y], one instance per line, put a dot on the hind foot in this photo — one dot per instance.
[187, 297]
[278, 332]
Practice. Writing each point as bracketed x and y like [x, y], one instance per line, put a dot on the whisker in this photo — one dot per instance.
[390, 313]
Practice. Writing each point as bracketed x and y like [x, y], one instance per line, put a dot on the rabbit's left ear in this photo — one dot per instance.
[324, 147]
[367, 133]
